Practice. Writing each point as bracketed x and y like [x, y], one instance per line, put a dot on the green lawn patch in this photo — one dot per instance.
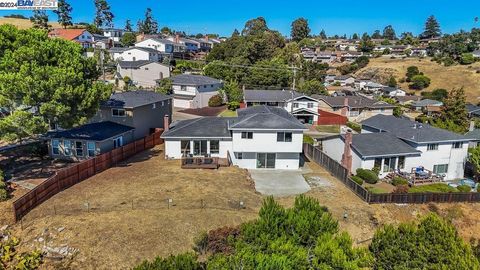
[434, 188]
[375, 190]
[228, 113]
[328, 128]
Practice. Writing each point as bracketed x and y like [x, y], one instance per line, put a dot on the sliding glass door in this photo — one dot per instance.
[200, 148]
[266, 160]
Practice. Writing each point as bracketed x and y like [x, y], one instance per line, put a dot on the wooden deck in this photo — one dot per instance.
[204, 162]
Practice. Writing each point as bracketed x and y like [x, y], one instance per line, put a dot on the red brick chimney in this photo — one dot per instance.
[166, 123]
[347, 152]
[177, 38]
[344, 110]
[206, 37]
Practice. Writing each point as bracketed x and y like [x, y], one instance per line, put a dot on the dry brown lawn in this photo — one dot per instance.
[442, 77]
[129, 220]
[23, 24]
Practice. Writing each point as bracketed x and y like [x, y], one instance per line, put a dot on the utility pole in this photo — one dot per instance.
[294, 77]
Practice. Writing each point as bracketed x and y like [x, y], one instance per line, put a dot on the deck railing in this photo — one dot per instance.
[200, 163]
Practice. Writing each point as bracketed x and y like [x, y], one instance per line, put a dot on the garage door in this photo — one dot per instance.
[182, 103]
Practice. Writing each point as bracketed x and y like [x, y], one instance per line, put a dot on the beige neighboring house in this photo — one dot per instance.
[194, 91]
[143, 73]
[355, 108]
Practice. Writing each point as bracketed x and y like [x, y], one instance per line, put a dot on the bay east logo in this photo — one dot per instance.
[28, 4]
[37, 4]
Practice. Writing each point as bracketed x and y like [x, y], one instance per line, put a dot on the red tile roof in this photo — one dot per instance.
[68, 34]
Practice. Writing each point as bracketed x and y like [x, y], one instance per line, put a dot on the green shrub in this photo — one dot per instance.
[464, 188]
[357, 180]
[354, 126]
[368, 176]
[433, 188]
[186, 261]
[399, 181]
[215, 101]
[308, 139]
[233, 105]
[420, 82]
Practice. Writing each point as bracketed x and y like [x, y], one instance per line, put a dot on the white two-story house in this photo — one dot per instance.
[395, 144]
[194, 91]
[261, 137]
[161, 45]
[303, 107]
[137, 53]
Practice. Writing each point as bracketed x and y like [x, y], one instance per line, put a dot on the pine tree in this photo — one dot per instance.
[63, 12]
[40, 19]
[235, 33]
[300, 29]
[149, 25]
[323, 35]
[432, 28]
[355, 36]
[128, 26]
[389, 33]
[103, 15]
[454, 109]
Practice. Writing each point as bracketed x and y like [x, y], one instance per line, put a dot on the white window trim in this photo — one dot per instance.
[119, 116]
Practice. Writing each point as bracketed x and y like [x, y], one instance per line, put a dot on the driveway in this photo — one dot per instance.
[279, 183]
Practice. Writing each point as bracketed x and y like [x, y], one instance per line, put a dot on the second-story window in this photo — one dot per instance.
[295, 105]
[284, 136]
[118, 113]
[432, 146]
[457, 145]
[310, 105]
[247, 135]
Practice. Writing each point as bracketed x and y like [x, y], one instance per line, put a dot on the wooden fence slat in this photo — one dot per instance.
[74, 174]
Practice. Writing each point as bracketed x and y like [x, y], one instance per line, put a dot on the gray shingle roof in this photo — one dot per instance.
[269, 95]
[195, 80]
[474, 134]
[473, 109]
[134, 64]
[411, 131]
[380, 144]
[353, 102]
[426, 102]
[146, 49]
[99, 131]
[203, 127]
[133, 99]
[266, 117]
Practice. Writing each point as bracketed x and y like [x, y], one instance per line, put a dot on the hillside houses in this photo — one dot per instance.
[80, 36]
[303, 107]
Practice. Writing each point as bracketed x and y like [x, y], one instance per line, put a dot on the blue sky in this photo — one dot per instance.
[336, 17]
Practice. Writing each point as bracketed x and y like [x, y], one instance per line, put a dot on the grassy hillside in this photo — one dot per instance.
[442, 77]
[22, 23]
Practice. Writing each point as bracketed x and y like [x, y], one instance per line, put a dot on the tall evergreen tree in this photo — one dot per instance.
[103, 14]
[389, 33]
[323, 35]
[300, 29]
[63, 12]
[40, 19]
[377, 35]
[454, 110]
[149, 25]
[355, 36]
[128, 26]
[432, 28]
[235, 33]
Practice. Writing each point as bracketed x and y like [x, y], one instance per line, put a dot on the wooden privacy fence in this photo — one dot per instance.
[341, 173]
[78, 172]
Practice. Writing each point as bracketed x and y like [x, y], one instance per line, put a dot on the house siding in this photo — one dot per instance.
[143, 118]
[146, 75]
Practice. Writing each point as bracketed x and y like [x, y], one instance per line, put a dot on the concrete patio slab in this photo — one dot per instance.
[279, 183]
